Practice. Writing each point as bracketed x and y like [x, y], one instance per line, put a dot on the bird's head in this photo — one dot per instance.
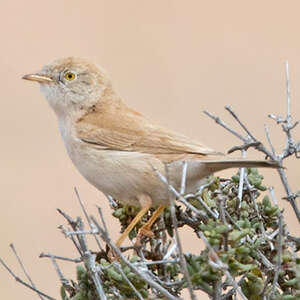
[70, 83]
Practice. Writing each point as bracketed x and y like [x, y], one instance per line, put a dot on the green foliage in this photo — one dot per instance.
[125, 214]
[113, 278]
[239, 232]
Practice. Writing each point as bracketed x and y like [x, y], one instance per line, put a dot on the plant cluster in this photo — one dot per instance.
[246, 234]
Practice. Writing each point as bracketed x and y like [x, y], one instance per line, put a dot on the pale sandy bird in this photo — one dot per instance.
[116, 148]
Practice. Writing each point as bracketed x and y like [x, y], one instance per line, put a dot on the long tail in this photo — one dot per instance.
[218, 165]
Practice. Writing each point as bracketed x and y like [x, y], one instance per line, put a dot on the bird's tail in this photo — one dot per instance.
[219, 165]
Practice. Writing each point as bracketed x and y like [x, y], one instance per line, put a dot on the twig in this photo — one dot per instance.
[76, 244]
[183, 177]
[157, 262]
[232, 291]
[198, 212]
[180, 252]
[142, 275]
[112, 203]
[288, 91]
[222, 200]
[90, 263]
[87, 217]
[279, 254]
[63, 280]
[180, 198]
[274, 233]
[295, 240]
[241, 182]
[250, 140]
[224, 125]
[23, 268]
[244, 147]
[83, 248]
[272, 194]
[288, 150]
[262, 228]
[163, 283]
[290, 196]
[73, 225]
[217, 290]
[267, 132]
[75, 260]
[23, 282]
[102, 219]
[265, 261]
[267, 281]
[223, 266]
[128, 281]
[228, 108]
[80, 232]
[207, 208]
[171, 250]
[232, 221]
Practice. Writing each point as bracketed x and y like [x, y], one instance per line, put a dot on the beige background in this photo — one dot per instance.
[170, 60]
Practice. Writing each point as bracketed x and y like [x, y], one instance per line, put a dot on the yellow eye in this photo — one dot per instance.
[69, 76]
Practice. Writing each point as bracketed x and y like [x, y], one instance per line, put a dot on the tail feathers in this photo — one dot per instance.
[241, 163]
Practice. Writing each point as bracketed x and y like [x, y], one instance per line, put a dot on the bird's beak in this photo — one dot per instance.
[38, 77]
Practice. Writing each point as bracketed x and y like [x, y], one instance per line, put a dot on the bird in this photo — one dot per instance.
[116, 148]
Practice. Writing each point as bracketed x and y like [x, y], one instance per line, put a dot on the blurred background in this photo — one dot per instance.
[170, 60]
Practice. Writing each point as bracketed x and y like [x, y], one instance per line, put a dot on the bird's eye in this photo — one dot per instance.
[69, 76]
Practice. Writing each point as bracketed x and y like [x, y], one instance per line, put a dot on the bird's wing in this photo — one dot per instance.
[114, 126]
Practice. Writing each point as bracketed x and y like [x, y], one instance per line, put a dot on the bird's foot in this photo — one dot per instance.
[108, 254]
[145, 231]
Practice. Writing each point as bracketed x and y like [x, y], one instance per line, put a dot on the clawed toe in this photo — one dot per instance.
[143, 232]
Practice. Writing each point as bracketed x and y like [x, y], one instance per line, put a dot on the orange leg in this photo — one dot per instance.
[146, 229]
[146, 204]
[136, 219]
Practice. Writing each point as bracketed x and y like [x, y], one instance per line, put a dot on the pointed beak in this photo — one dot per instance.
[38, 78]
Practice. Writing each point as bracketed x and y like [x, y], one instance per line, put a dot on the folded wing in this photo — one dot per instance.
[114, 126]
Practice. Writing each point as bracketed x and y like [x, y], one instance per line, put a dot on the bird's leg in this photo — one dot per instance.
[146, 228]
[146, 204]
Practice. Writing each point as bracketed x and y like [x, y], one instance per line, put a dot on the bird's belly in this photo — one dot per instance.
[123, 175]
